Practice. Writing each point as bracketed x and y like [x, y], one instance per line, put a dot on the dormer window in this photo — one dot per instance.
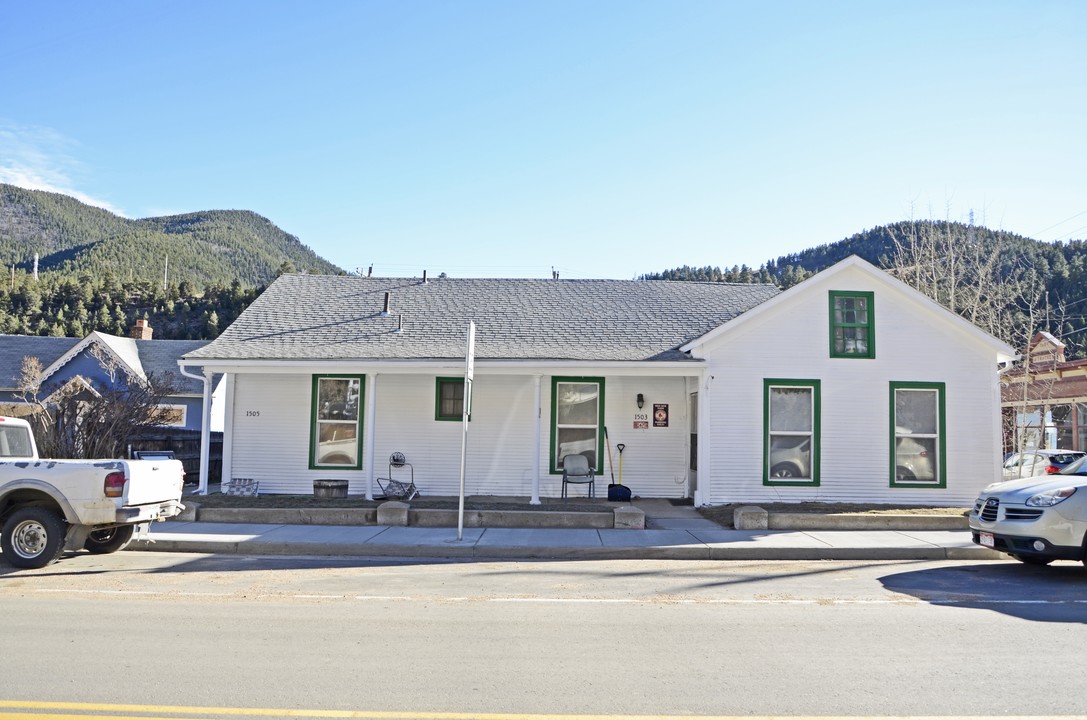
[852, 325]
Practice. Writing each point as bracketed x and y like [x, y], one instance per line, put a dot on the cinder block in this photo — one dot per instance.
[393, 513]
[750, 517]
[629, 517]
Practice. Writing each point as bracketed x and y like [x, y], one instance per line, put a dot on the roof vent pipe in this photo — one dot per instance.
[385, 310]
[424, 277]
[399, 323]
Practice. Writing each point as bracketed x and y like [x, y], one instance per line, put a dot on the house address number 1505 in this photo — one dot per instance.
[252, 413]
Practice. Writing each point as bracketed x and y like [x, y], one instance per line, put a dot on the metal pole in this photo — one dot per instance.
[466, 410]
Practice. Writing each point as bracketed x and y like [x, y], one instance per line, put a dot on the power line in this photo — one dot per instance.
[1062, 222]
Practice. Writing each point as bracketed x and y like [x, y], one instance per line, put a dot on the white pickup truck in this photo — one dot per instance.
[49, 506]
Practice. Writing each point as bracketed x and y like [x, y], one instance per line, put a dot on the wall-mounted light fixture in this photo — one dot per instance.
[641, 401]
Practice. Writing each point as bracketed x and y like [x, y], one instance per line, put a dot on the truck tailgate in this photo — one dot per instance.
[153, 481]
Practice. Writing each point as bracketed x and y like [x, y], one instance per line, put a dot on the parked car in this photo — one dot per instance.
[1038, 462]
[1035, 520]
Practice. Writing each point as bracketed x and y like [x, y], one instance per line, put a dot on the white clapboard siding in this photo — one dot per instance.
[271, 442]
[791, 340]
[655, 459]
[271, 426]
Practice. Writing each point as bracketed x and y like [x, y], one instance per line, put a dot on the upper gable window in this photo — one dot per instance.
[852, 325]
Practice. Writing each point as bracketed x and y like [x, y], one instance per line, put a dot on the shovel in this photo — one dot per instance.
[617, 492]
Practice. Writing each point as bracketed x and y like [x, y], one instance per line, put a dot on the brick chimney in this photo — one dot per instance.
[140, 331]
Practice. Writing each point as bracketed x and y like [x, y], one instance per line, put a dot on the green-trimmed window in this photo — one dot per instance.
[791, 432]
[336, 429]
[852, 325]
[918, 443]
[449, 398]
[577, 420]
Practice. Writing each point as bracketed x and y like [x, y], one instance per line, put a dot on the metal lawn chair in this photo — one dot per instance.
[402, 488]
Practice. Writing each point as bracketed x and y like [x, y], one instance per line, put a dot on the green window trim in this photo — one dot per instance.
[440, 384]
[336, 410]
[907, 469]
[852, 323]
[556, 381]
[791, 457]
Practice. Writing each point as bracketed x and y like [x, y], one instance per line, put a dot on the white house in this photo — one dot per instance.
[848, 387]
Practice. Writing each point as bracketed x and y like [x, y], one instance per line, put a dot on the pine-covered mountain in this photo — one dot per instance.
[215, 247]
[1007, 284]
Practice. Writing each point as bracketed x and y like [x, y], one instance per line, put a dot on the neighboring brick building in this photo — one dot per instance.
[1044, 400]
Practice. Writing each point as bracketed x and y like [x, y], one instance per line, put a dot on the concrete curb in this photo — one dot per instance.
[471, 550]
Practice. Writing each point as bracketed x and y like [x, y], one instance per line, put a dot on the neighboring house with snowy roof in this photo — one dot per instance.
[717, 392]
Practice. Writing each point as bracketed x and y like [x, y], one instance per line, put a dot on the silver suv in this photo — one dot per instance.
[1035, 520]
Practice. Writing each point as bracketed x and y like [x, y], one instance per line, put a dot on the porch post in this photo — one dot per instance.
[537, 407]
[228, 427]
[371, 412]
[205, 433]
[705, 441]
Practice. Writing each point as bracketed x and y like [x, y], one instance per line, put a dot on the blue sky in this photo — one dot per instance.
[604, 139]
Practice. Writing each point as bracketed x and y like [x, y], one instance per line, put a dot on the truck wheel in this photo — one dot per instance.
[110, 540]
[33, 537]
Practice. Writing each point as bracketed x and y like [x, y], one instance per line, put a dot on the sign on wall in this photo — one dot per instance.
[660, 414]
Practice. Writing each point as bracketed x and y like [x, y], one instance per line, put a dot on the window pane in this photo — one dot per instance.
[916, 458]
[790, 456]
[14, 442]
[577, 403]
[452, 400]
[575, 441]
[851, 311]
[915, 412]
[338, 399]
[851, 340]
[337, 443]
[790, 410]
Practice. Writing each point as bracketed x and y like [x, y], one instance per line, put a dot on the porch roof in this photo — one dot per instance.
[318, 317]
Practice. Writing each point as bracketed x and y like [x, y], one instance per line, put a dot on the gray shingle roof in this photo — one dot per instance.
[155, 356]
[13, 348]
[311, 317]
[161, 356]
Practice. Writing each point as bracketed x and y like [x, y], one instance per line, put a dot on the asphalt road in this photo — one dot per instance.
[179, 635]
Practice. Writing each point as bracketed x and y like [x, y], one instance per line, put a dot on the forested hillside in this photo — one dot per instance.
[1018, 284]
[204, 248]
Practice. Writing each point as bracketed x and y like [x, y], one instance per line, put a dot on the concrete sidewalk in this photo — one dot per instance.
[672, 532]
